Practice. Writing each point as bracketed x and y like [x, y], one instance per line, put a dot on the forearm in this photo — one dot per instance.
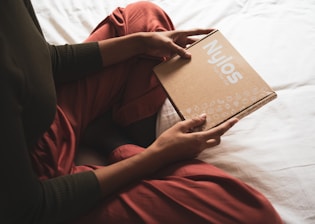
[115, 176]
[118, 49]
[177, 143]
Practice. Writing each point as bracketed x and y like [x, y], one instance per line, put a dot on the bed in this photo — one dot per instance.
[272, 149]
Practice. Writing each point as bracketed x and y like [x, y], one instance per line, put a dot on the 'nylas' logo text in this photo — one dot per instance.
[222, 61]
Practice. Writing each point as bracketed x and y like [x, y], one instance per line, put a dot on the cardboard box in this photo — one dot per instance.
[217, 81]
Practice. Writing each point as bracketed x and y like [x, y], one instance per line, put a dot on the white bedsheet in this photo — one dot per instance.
[272, 149]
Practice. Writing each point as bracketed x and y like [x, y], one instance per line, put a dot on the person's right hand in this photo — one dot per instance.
[180, 143]
[167, 43]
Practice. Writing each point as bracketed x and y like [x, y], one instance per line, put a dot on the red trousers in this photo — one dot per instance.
[185, 192]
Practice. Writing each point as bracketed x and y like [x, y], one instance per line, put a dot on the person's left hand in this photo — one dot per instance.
[168, 43]
[179, 142]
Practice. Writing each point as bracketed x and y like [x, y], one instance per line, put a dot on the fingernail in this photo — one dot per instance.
[187, 54]
[203, 116]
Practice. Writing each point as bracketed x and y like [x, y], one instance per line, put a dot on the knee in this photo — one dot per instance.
[147, 16]
[144, 6]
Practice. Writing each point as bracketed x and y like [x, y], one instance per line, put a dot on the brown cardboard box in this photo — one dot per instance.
[217, 81]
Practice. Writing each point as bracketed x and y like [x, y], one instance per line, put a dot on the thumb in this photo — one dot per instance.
[182, 52]
[191, 124]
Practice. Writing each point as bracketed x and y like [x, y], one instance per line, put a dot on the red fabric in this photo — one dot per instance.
[186, 192]
[125, 87]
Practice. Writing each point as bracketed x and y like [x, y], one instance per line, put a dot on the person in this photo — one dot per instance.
[54, 98]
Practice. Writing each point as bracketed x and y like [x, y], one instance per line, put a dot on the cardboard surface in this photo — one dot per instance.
[217, 81]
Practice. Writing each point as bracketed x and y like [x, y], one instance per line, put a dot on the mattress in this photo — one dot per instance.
[272, 149]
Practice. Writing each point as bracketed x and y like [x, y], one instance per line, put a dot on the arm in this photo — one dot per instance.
[23, 198]
[72, 62]
[176, 144]
[154, 44]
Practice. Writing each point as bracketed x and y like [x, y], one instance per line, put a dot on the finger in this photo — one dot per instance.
[197, 32]
[213, 142]
[183, 53]
[224, 127]
[221, 129]
[191, 40]
[190, 124]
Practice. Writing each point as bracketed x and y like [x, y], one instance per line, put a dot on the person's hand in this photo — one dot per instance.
[153, 44]
[168, 43]
[179, 143]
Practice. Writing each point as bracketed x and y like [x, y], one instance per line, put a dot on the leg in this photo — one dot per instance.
[142, 132]
[103, 135]
[124, 88]
[141, 129]
[185, 192]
